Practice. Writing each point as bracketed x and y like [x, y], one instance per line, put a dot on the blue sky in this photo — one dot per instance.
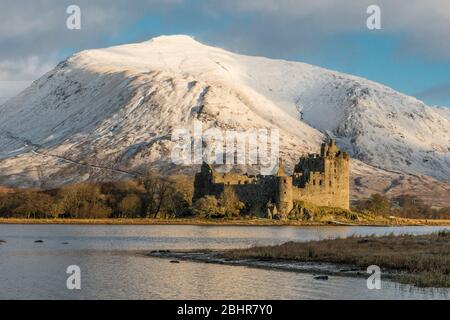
[371, 54]
[411, 53]
[377, 58]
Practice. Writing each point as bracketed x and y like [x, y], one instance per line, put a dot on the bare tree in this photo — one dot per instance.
[157, 192]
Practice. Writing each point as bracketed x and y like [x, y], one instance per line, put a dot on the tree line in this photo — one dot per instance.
[152, 196]
[405, 206]
[155, 196]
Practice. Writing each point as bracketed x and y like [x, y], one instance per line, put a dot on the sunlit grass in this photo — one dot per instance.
[423, 260]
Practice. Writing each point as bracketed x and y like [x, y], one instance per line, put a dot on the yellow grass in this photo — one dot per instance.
[423, 260]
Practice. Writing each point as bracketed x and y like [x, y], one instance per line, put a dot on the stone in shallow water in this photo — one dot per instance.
[174, 261]
[321, 278]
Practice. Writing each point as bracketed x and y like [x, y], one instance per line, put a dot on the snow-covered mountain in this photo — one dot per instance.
[109, 113]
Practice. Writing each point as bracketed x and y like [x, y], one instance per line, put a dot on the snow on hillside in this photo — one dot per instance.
[110, 112]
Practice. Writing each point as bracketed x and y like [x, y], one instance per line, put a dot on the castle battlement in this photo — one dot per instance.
[321, 179]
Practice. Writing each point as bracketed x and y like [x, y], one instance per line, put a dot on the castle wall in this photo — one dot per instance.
[258, 194]
[252, 191]
[232, 179]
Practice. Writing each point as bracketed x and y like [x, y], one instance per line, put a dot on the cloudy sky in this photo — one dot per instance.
[411, 52]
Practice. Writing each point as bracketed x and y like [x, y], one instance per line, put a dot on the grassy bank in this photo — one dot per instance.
[231, 222]
[420, 260]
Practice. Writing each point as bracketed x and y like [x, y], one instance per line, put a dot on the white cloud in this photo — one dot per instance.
[32, 33]
[35, 31]
[441, 91]
[425, 24]
[9, 89]
[25, 69]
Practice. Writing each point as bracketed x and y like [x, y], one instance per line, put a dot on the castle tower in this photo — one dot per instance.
[329, 149]
[336, 175]
[342, 176]
[283, 201]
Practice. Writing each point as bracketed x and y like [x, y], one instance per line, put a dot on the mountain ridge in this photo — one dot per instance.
[116, 108]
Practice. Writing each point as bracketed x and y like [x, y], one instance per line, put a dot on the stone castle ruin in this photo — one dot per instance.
[321, 180]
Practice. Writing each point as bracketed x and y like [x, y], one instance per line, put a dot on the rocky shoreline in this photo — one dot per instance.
[319, 270]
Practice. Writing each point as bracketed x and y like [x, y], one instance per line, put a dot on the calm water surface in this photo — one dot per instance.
[113, 264]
